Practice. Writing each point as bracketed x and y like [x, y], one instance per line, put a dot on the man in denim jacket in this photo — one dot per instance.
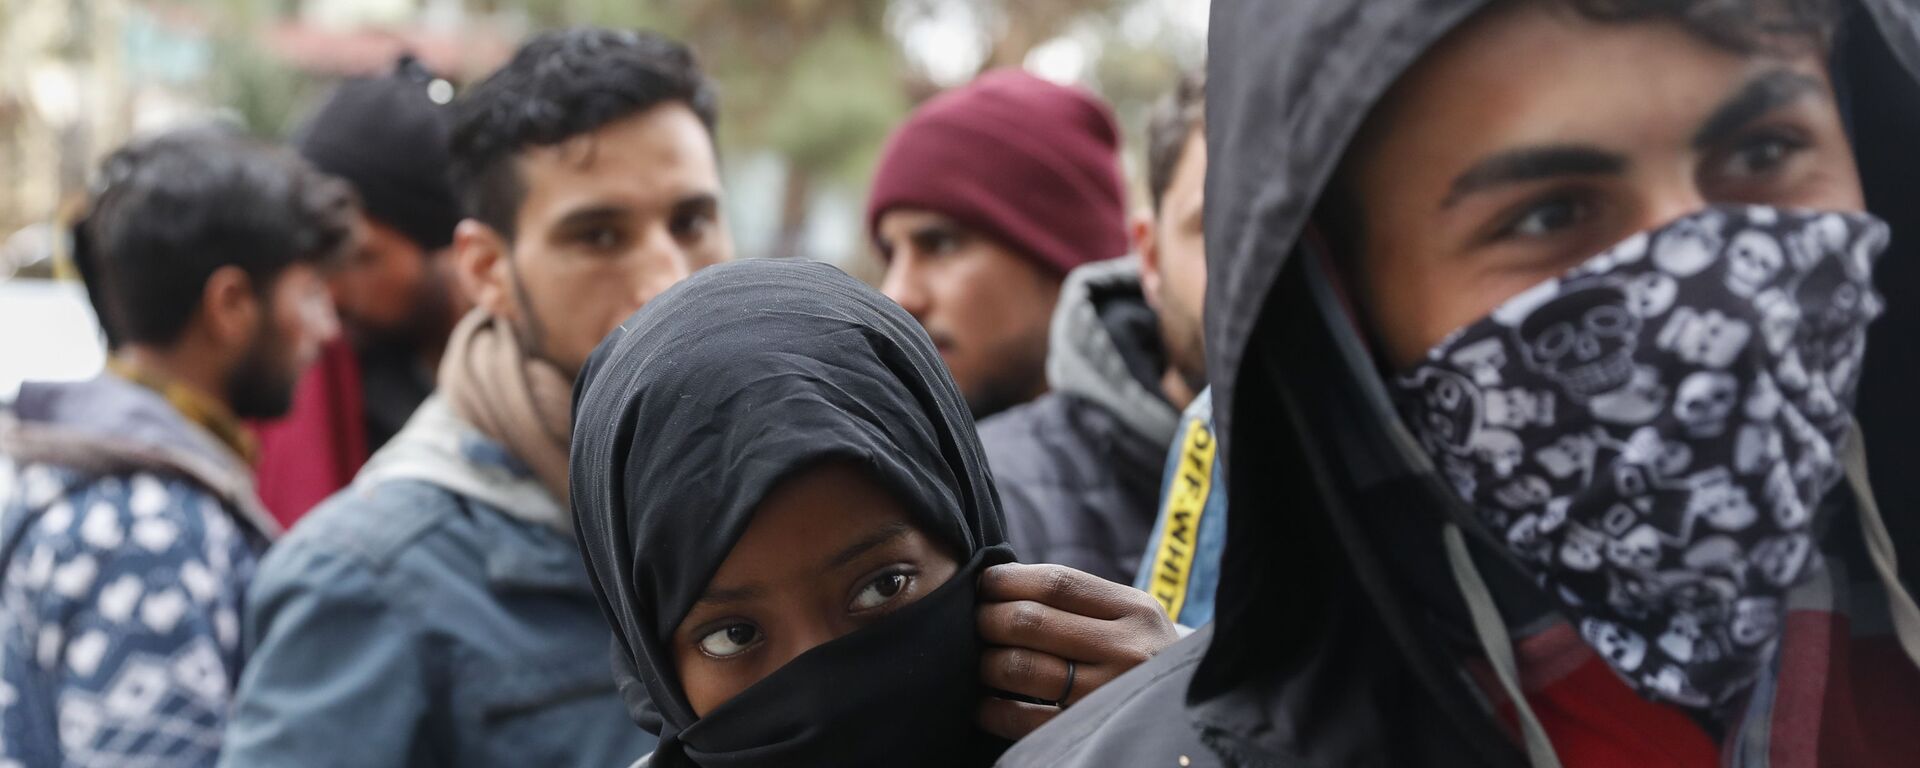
[437, 611]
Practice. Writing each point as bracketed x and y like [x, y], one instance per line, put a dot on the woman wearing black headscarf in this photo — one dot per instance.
[784, 510]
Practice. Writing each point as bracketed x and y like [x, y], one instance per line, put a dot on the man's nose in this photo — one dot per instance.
[905, 284]
[666, 264]
[1670, 203]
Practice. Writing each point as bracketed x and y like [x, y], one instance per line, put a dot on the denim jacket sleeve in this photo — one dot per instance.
[1181, 566]
[335, 670]
[119, 625]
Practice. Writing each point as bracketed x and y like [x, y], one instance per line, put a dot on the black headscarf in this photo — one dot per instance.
[688, 416]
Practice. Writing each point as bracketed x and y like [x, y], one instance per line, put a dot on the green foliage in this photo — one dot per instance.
[1134, 77]
[264, 93]
[837, 101]
[267, 96]
[822, 82]
[604, 13]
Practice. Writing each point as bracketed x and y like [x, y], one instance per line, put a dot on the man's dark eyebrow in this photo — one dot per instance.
[1533, 164]
[935, 229]
[1766, 92]
[591, 214]
[726, 596]
[704, 201]
[886, 533]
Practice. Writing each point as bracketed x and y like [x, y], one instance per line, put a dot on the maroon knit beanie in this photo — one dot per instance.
[1033, 164]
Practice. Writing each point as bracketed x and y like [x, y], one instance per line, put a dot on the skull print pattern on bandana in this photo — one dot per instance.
[1651, 433]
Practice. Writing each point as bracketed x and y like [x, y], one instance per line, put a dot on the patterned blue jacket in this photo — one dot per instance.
[127, 538]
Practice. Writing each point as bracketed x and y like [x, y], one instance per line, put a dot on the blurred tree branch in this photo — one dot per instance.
[819, 83]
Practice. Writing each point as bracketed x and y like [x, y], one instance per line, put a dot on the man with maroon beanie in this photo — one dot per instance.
[985, 199]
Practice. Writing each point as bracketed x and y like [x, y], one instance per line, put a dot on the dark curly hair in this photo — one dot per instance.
[560, 85]
[1740, 25]
[169, 211]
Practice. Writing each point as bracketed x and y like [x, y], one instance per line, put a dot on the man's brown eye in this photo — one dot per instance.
[691, 227]
[938, 243]
[1768, 154]
[1763, 154]
[1546, 217]
[601, 238]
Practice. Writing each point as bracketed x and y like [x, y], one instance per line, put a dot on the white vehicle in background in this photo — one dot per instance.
[47, 329]
[47, 333]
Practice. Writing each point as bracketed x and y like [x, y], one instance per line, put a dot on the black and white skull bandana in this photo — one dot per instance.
[1652, 433]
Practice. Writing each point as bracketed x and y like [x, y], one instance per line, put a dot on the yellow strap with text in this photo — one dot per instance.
[1186, 502]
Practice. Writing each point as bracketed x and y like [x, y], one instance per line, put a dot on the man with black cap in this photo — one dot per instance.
[387, 137]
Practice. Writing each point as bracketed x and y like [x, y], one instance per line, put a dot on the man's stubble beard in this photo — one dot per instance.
[1020, 377]
[1185, 343]
[262, 385]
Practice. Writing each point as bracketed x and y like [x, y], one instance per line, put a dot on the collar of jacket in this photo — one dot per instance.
[109, 425]
[531, 558]
[438, 448]
[1085, 359]
[198, 407]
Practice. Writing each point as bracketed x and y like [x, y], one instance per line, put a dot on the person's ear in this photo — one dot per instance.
[1141, 231]
[231, 309]
[480, 256]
